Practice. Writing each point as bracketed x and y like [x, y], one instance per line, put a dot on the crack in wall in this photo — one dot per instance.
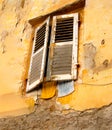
[4, 3]
[4, 34]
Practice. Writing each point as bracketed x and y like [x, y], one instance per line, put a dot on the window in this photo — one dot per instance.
[63, 48]
[62, 57]
[38, 57]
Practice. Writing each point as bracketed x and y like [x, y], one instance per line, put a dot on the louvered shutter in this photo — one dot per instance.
[63, 48]
[38, 57]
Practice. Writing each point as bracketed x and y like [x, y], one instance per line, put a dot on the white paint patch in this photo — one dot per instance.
[65, 88]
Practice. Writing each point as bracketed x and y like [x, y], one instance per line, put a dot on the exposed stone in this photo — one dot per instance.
[45, 119]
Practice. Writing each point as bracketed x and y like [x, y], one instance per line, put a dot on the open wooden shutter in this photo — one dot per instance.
[63, 48]
[38, 57]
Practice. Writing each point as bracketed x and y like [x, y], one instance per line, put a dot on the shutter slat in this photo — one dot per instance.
[58, 63]
[40, 35]
[60, 67]
[61, 38]
[40, 30]
[64, 29]
[60, 72]
[68, 59]
[65, 26]
[62, 34]
[65, 20]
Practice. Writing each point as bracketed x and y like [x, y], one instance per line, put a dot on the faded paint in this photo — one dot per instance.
[48, 90]
[16, 42]
[15, 104]
[42, 7]
[89, 55]
[14, 46]
[61, 46]
[94, 87]
[65, 88]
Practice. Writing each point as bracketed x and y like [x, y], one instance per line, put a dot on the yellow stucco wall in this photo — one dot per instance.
[95, 59]
[14, 46]
[15, 38]
[95, 35]
[42, 7]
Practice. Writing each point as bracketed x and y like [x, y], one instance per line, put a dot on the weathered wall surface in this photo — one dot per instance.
[15, 37]
[46, 116]
[15, 46]
[94, 86]
[94, 49]
[42, 7]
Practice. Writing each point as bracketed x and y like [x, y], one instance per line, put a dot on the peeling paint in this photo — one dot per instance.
[89, 55]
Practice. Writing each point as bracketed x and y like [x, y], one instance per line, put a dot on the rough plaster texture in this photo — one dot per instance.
[94, 86]
[15, 35]
[48, 116]
[89, 55]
